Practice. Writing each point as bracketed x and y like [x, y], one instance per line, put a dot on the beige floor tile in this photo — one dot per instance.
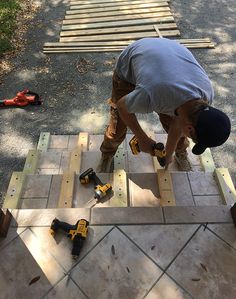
[45, 260]
[55, 190]
[12, 233]
[19, 267]
[50, 160]
[36, 186]
[182, 191]
[115, 268]
[141, 163]
[90, 160]
[160, 242]
[206, 267]
[65, 289]
[34, 203]
[73, 141]
[225, 231]
[166, 288]
[95, 142]
[59, 142]
[209, 200]
[60, 246]
[143, 190]
[203, 183]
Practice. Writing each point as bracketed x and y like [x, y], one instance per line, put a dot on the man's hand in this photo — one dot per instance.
[146, 145]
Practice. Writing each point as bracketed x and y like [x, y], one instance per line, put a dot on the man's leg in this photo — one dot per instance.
[182, 145]
[116, 130]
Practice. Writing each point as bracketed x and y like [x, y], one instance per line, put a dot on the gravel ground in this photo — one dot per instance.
[74, 87]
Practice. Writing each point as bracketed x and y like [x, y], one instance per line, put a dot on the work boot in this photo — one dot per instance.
[183, 161]
[105, 164]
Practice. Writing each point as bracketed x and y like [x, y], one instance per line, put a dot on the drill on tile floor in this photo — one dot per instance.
[77, 233]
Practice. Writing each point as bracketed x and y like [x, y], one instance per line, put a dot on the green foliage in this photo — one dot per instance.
[8, 13]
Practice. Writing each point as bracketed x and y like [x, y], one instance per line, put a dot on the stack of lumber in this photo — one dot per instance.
[103, 25]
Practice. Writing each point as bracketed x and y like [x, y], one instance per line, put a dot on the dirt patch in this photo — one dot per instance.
[23, 22]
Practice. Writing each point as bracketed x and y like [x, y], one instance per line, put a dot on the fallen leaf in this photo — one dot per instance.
[113, 250]
[153, 247]
[34, 280]
[196, 279]
[127, 269]
[203, 267]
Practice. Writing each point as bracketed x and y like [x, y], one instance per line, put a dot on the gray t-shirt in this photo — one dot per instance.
[165, 75]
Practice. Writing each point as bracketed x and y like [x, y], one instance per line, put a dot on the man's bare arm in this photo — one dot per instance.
[174, 134]
[145, 143]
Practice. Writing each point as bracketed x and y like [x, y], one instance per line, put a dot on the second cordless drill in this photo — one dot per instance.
[101, 189]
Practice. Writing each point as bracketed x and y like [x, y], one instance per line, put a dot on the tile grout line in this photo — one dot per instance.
[197, 229]
[153, 285]
[179, 285]
[35, 235]
[163, 214]
[191, 189]
[82, 291]
[164, 271]
[91, 249]
[221, 238]
[49, 191]
[150, 258]
[9, 242]
[67, 273]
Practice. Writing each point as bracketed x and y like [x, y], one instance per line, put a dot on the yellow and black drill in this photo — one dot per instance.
[77, 233]
[158, 150]
[101, 189]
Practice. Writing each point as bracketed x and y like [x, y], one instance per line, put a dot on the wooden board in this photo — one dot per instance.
[76, 153]
[116, 37]
[207, 161]
[166, 188]
[128, 29]
[44, 141]
[117, 18]
[115, 13]
[119, 23]
[119, 158]
[84, 2]
[113, 49]
[115, 8]
[108, 4]
[31, 162]
[120, 198]
[225, 185]
[14, 191]
[67, 189]
[113, 43]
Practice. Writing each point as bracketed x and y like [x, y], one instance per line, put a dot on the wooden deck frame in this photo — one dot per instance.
[68, 178]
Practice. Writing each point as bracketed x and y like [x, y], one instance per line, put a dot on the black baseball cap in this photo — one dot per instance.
[212, 129]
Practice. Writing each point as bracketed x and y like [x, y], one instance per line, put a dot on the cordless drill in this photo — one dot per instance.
[101, 189]
[77, 233]
[158, 150]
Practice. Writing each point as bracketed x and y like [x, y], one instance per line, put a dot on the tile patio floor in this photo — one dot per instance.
[121, 261]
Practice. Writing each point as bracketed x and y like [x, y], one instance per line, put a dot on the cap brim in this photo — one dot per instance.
[198, 149]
